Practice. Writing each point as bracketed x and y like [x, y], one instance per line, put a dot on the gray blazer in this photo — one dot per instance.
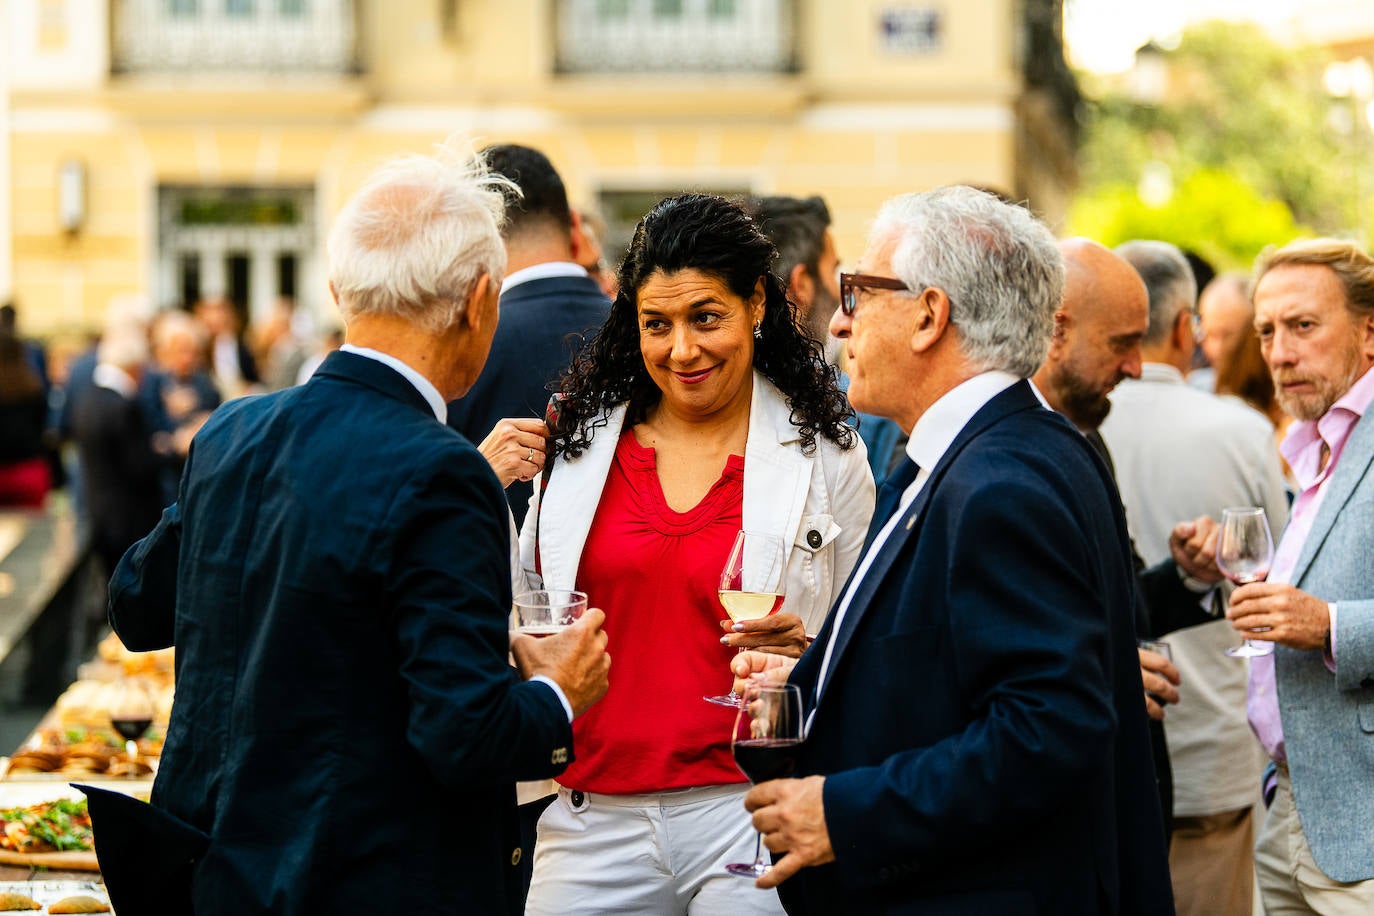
[1328, 719]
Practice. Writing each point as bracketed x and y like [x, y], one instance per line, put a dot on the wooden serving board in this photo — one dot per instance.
[72, 861]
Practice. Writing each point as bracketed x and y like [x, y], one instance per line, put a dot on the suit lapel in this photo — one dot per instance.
[1017, 397]
[775, 476]
[568, 506]
[1354, 463]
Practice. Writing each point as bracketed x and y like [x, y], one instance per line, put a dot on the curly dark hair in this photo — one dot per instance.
[715, 236]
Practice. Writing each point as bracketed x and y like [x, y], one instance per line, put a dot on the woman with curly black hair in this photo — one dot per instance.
[699, 409]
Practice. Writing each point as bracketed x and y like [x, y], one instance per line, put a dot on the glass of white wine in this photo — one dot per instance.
[752, 584]
[545, 611]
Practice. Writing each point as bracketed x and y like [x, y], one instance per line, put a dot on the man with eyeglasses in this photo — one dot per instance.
[976, 737]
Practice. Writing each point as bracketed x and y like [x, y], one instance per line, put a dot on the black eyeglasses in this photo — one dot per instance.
[850, 284]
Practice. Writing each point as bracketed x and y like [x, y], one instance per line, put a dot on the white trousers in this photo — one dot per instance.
[647, 855]
[1290, 882]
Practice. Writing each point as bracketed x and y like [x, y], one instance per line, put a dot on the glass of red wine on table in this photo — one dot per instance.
[752, 584]
[132, 709]
[766, 741]
[1245, 549]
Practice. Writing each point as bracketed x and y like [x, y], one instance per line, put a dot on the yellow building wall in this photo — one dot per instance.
[857, 125]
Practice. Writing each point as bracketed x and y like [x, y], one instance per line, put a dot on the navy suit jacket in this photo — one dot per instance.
[120, 472]
[536, 339]
[347, 728]
[981, 728]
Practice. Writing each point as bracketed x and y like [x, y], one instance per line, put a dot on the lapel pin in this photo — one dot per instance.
[911, 521]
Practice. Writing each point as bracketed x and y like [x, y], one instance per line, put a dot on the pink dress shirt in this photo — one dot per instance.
[1302, 448]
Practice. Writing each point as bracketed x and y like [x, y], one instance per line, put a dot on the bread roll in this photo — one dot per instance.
[81, 904]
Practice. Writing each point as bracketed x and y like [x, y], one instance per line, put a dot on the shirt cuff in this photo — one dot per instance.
[1330, 655]
[1194, 585]
[557, 691]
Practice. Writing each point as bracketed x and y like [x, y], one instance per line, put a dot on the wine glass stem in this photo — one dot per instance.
[131, 748]
[734, 694]
[758, 850]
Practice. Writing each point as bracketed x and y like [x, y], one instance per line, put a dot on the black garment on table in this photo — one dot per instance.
[21, 428]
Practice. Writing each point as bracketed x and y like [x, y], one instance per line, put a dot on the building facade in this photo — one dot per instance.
[195, 147]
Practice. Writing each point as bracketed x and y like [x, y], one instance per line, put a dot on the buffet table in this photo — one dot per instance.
[76, 743]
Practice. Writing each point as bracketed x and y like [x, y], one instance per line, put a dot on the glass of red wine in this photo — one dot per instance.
[131, 712]
[766, 741]
[751, 585]
[1244, 551]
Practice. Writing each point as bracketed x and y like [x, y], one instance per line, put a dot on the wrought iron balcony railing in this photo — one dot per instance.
[160, 36]
[676, 36]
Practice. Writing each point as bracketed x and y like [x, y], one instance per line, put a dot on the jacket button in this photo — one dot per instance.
[813, 537]
[577, 798]
[515, 856]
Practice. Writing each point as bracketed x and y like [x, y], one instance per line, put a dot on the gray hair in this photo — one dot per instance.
[125, 347]
[1169, 280]
[998, 264]
[416, 238]
[175, 323]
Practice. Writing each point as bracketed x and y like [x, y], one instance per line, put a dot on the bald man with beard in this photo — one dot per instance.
[1096, 345]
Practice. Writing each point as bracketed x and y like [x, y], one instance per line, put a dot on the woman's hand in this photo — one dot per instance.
[780, 634]
[515, 449]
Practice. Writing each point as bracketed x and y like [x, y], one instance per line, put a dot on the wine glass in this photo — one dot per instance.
[766, 741]
[1244, 552]
[545, 611]
[751, 584]
[132, 709]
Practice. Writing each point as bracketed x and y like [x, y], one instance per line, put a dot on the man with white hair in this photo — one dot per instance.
[120, 471]
[977, 740]
[347, 729]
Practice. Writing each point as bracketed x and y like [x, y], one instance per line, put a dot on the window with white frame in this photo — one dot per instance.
[636, 36]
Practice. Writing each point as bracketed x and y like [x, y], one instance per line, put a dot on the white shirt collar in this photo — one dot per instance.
[942, 422]
[542, 272]
[116, 379]
[1160, 372]
[422, 384]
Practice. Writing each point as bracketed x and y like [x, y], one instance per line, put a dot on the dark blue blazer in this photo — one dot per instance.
[347, 727]
[542, 326]
[153, 390]
[981, 729]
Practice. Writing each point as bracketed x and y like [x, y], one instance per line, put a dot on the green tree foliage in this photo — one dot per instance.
[1212, 212]
[1243, 131]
